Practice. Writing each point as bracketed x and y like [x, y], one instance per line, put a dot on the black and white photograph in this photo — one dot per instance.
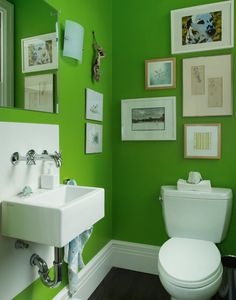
[148, 118]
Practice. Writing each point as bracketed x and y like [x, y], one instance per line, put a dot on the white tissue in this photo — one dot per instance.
[194, 177]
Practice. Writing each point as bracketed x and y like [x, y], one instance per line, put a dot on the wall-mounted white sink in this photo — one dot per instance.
[52, 217]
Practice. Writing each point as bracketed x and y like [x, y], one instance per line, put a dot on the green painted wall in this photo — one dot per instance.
[141, 30]
[94, 169]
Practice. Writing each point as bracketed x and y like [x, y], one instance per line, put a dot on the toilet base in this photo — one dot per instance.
[201, 293]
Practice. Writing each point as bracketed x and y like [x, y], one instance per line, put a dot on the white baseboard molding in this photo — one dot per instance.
[131, 256]
[136, 257]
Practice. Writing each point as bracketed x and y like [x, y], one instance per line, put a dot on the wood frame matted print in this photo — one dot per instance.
[39, 53]
[160, 73]
[149, 119]
[202, 141]
[203, 27]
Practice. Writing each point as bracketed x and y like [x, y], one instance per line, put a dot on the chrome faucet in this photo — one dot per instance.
[32, 156]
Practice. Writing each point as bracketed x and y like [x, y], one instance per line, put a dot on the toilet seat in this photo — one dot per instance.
[189, 263]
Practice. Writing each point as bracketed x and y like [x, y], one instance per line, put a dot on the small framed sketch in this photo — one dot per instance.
[201, 28]
[148, 119]
[160, 73]
[207, 86]
[94, 105]
[39, 53]
[93, 138]
[202, 141]
[39, 92]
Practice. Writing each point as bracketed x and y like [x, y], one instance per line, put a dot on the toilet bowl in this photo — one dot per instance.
[190, 269]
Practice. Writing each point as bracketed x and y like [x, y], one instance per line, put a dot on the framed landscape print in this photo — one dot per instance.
[207, 86]
[160, 73]
[202, 28]
[202, 141]
[149, 119]
[39, 53]
[94, 105]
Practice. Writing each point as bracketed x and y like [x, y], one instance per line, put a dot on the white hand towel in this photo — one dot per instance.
[73, 256]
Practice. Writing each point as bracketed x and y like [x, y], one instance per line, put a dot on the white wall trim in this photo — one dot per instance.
[136, 257]
[120, 254]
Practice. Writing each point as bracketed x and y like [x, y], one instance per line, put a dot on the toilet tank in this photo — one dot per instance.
[194, 214]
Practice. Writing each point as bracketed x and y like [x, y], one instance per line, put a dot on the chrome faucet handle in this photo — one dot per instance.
[58, 159]
[15, 158]
[30, 157]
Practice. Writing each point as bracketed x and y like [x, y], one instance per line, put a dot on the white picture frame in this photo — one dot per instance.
[148, 119]
[93, 138]
[202, 141]
[160, 73]
[207, 86]
[39, 53]
[189, 33]
[39, 93]
[94, 105]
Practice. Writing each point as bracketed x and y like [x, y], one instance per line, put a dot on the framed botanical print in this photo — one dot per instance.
[93, 138]
[94, 105]
[207, 86]
[160, 73]
[39, 92]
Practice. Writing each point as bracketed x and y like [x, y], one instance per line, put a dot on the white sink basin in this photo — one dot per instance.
[52, 217]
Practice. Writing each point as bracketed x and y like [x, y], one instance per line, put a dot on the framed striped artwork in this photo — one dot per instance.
[202, 141]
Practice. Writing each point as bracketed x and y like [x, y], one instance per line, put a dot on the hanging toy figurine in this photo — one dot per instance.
[99, 53]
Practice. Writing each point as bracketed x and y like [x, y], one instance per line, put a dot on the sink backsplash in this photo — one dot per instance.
[21, 137]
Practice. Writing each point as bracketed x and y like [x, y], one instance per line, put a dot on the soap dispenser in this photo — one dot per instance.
[49, 180]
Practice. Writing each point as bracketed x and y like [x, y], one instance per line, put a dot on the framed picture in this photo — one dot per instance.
[93, 138]
[39, 53]
[202, 141]
[160, 73]
[149, 119]
[202, 28]
[207, 86]
[39, 93]
[94, 105]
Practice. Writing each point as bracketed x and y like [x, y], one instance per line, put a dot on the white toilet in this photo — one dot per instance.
[189, 263]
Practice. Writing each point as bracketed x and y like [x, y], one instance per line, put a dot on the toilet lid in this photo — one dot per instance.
[190, 260]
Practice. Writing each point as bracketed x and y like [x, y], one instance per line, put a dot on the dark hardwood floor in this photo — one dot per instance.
[120, 284]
